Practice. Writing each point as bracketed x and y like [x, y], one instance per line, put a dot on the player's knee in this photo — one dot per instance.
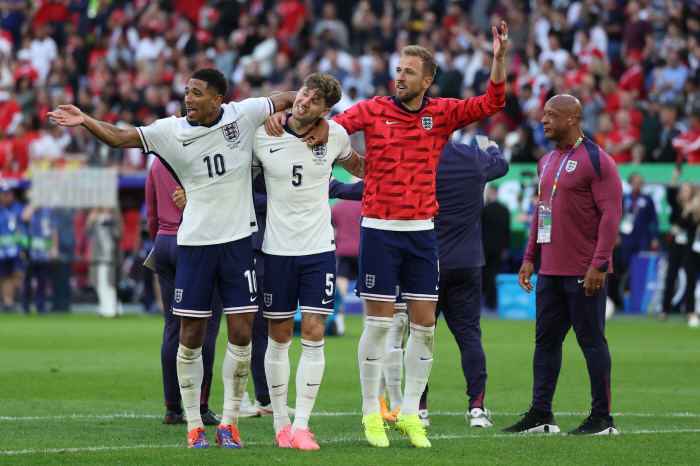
[280, 332]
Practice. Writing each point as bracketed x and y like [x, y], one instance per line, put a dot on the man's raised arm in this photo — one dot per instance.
[70, 115]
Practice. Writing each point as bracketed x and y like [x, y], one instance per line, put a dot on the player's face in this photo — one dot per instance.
[409, 80]
[200, 102]
[308, 107]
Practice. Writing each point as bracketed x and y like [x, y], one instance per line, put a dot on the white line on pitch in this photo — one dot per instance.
[432, 413]
[333, 440]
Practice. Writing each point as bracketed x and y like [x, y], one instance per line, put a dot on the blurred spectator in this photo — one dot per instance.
[43, 51]
[650, 129]
[330, 28]
[670, 79]
[687, 144]
[637, 32]
[671, 129]
[632, 79]
[683, 228]
[496, 241]
[104, 227]
[639, 225]
[11, 233]
[621, 140]
[42, 236]
[61, 269]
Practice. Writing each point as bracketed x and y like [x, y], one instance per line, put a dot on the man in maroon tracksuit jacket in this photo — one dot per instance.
[573, 231]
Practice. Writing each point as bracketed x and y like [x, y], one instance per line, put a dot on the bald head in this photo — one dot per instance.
[561, 119]
[567, 104]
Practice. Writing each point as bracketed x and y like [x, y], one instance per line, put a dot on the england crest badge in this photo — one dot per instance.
[319, 151]
[178, 295]
[268, 299]
[369, 281]
[230, 131]
[427, 123]
[571, 165]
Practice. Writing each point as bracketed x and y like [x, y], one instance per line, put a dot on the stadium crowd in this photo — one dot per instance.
[634, 66]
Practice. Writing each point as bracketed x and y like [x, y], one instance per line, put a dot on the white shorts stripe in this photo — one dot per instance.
[240, 310]
[420, 297]
[191, 313]
[279, 315]
[378, 297]
[316, 310]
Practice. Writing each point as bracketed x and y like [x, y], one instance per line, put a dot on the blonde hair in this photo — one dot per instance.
[429, 63]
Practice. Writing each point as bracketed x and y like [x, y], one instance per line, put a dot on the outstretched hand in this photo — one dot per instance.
[500, 42]
[67, 115]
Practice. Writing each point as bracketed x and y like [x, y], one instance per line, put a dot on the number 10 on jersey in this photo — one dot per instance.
[219, 165]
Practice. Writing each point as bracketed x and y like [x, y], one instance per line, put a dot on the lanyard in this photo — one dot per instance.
[556, 179]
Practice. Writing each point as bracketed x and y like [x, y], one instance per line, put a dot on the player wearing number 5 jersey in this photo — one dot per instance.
[299, 249]
[208, 153]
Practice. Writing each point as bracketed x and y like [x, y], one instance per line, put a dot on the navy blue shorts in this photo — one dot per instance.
[306, 280]
[201, 268]
[9, 266]
[388, 258]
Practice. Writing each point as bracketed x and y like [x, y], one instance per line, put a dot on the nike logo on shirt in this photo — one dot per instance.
[581, 281]
[185, 144]
[391, 122]
[271, 151]
[326, 302]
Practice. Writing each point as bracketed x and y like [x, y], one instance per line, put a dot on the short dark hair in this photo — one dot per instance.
[327, 87]
[214, 79]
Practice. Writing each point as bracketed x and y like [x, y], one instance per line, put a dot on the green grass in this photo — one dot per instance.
[72, 365]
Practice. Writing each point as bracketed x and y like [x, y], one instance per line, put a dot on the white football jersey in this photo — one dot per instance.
[297, 178]
[213, 164]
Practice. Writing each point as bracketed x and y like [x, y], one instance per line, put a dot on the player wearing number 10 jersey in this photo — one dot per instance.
[208, 153]
[299, 249]
[404, 136]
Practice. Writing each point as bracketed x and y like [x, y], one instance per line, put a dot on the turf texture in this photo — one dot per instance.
[78, 389]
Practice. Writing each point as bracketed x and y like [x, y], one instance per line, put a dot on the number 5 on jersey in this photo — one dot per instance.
[296, 175]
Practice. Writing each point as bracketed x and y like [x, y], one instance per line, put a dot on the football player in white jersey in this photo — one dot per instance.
[299, 249]
[208, 153]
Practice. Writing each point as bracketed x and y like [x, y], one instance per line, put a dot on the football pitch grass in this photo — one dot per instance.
[78, 389]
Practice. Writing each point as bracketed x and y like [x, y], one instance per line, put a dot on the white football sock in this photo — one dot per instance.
[393, 365]
[370, 353]
[309, 376]
[277, 372]
[419, 360]
[382, 385]
[235, 374]
[190, 373]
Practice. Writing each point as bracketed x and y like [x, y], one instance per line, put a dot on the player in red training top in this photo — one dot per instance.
[404, 136]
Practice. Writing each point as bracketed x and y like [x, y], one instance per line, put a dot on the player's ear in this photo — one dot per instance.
[217, 100]
[427, 82]
[326, 112]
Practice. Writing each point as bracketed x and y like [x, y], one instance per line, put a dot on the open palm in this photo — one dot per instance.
[67, 115]
[500, 41]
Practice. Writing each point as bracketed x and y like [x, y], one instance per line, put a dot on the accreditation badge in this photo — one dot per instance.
[544, 222]
[627, 225]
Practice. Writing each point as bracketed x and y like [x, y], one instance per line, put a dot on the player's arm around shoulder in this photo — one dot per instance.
[347, 158]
